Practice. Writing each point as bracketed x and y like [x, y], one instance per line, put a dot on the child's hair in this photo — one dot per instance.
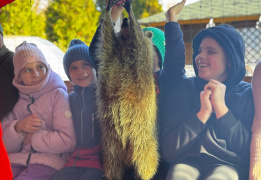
[158, 39]
[22, 55]
[77, 50]
[234, 48]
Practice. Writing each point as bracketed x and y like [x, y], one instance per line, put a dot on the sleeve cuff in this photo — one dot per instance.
[226, 122]
[16, 134]
[196, 125]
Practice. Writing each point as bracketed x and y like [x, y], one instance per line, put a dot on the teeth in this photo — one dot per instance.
[202, 65]
[82, 78]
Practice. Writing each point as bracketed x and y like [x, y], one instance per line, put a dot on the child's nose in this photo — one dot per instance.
[202, 55]
[35, 73]
[81, 71]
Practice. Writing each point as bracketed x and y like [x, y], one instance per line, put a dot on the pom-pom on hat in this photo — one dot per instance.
[27, 53]
[158, 40]
[77, 50]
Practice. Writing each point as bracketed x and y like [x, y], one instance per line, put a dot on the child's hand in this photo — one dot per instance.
[218, 97]
[206, 107]
[173, 11]
[28, 138]
[30, 124]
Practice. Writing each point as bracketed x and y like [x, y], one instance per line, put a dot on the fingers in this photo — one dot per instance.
[28, 138]
[116, 12]
[30, 124]
[214, 85]
[207, 92]
[173, 11]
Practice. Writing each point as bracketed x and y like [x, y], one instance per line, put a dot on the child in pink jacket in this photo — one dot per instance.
[39, 130]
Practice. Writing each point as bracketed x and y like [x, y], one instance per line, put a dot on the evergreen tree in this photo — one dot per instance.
[69, 19]
[20, 18]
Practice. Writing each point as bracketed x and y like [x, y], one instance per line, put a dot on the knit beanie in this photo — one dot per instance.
[158, 40]
[77, 50]
[1, 29]
[22, 55]
[233, 45]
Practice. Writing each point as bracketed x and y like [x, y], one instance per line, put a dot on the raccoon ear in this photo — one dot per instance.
[149, 34]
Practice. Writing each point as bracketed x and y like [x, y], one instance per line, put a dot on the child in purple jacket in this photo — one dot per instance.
[39, 130]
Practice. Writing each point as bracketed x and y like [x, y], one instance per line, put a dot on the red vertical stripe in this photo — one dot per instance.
[5, 168]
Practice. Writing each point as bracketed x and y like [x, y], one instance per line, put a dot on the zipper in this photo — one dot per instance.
[77, 155]
[32, 101]
[92, 125]
[82, 117]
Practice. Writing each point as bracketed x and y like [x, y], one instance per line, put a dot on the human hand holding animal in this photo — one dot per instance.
[217, 98]
[116, 11]
[173, 11]
[206, 108]
[30, 124]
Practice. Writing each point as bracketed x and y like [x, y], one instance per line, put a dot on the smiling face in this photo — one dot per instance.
[82, 73]
[32, 73]
[211, 61]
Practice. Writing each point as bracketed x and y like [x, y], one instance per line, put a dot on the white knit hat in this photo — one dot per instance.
[22, 54]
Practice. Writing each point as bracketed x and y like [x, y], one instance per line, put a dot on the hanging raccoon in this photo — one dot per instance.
[126, 98]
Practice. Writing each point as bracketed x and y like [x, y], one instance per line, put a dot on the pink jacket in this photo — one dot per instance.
[49, 101]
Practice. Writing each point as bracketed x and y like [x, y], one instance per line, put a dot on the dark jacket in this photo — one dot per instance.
[183, 135]
[88, 133]
[8, 93]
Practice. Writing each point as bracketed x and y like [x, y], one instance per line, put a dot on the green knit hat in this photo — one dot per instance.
[158, 40]
[1, 29]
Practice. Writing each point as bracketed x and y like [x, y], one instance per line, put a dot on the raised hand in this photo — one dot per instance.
[30, 124]
[173, 11]
[217, 97]
[205, 106]
[116, 11]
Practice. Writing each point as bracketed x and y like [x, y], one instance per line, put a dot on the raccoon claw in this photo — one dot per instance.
[124, 3]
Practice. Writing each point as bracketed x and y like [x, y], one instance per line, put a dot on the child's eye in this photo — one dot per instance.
[27, 70]
[211, 52]
[41, 67]
[72, 68]
[86, 64]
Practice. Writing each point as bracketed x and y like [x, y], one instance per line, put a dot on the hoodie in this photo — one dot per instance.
[227, 139]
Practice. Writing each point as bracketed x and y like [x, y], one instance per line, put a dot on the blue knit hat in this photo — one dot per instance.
[158, 40]
[77, 50]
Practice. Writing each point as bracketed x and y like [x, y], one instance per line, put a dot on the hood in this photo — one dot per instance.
[50, 82]
[233, 45]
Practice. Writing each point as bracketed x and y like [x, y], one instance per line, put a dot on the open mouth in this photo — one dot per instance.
[203, 65]
[82, 78]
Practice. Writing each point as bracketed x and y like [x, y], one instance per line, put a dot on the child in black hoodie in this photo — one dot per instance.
[206, 120]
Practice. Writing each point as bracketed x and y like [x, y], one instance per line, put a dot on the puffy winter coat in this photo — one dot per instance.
[49, 101]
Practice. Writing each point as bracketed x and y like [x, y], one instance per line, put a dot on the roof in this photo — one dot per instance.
[206, 9]
[53, 54]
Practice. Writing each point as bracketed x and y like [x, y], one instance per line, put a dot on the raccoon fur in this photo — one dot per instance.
[126, 99]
